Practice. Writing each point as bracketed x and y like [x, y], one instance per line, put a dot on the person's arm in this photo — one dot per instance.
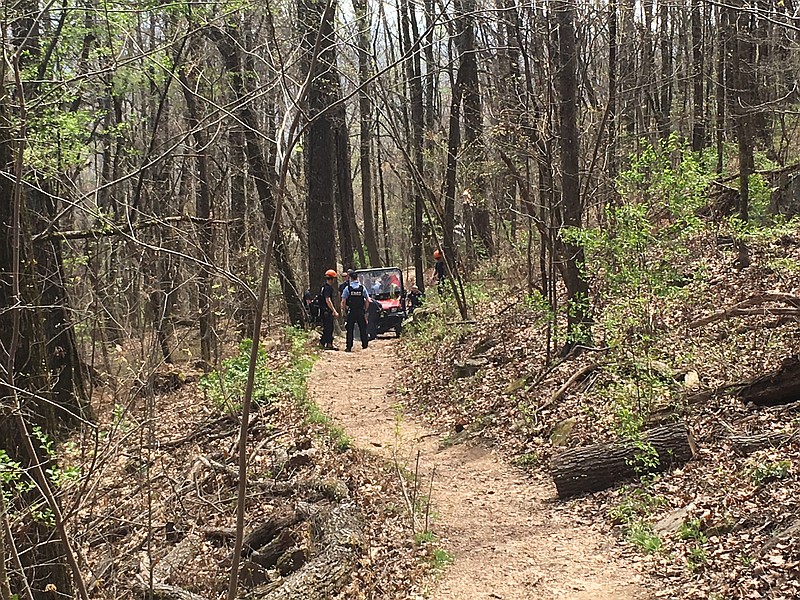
[345, 294]
[329, 302]
[330, 305]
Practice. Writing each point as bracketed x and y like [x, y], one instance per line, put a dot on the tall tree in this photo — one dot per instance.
[190, 83]
[698, 112]
[570, 210]
[367, 125]
[349, 241]
[613, 21]
[473, 123]
[238, 61]
[665, 85]
[742, 57]
[413, 70]
[316, 17]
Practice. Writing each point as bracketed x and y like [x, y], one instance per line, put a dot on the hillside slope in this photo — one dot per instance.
[726, 524]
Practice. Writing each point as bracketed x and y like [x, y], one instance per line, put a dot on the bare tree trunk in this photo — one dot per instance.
[453, 144]
[698, 113]
[723, 41]
[509, 86]
[432, 103]
[414, 78]
[367, 124]
[384, 219]
[349, 241]
[665, 85]
[231, 50]
[24, 356]
[628, 68]
[612, 91]
[473, 122]
[320, 143]
[571, 254]
[238, 206]
[205, 229]
[62, 353]
[742, 57]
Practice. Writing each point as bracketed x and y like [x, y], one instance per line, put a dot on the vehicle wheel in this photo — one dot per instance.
[398, 329]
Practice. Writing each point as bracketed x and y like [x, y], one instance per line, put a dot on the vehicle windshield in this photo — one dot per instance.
[382, 283]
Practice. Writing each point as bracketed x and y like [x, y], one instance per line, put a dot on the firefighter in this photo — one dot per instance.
[355, 298]
[328, 310]
[439, 270]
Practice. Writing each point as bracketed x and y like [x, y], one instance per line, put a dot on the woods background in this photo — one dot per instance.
[148, 148]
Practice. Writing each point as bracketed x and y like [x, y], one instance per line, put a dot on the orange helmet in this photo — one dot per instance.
[331, 273]
[437, 255]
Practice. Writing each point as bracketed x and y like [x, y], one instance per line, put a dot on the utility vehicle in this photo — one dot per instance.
[385, 284]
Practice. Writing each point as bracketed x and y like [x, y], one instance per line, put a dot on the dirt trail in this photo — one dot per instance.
[507, 541]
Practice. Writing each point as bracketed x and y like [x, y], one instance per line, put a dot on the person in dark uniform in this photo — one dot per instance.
[355, 298]
[373, 313]
[328, 312]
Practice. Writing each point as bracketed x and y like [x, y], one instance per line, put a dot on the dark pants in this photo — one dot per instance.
[354, 319]
[372, 327]
[327, 328]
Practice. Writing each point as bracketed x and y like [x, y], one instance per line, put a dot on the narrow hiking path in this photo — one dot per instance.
[507, 539]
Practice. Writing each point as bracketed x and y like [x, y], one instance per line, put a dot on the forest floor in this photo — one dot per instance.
[502, 529]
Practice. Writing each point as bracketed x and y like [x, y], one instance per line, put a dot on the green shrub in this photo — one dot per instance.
[691, 529]
[642, 535]
[696, 559]
[633, 253]
[764, 472]
[226, 387]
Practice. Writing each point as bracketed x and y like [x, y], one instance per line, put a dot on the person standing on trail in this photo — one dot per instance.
[345, 281]
[373, 314]
[439, 270]
[355, 298]
[345, 275]
[328, 312]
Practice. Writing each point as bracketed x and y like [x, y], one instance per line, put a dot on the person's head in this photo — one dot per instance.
[414, 288]
[330, 275]
[437, 255]
[353, 275]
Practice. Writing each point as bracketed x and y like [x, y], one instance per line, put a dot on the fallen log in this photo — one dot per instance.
[340, 540]
[267, 532]
[469, 367]
[747, 444]
[744, 308]
[779, 387]
[563, 389]
[161, 591]
[600, 466]
[781, 537]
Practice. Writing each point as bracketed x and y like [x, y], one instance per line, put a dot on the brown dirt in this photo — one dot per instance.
[508, 538]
